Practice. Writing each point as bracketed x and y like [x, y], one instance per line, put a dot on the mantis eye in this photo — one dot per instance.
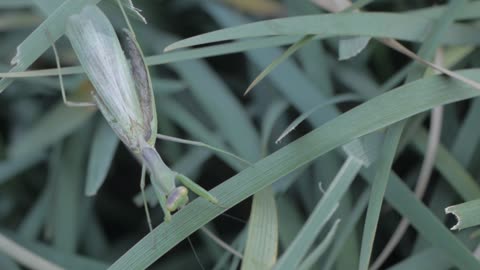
[177, 198]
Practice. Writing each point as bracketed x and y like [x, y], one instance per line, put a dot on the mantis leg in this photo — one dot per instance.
[62, 88]
[162, 199]
[145, 204]
[201, 144]
[197, 189]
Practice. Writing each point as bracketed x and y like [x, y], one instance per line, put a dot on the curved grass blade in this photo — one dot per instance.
[291, 50]
[387, 25]
[209, 90]
[380, 181]
[469, 11]
[320, 249]
[320, 215]
[305, 115]
[346, 229]
[102, 150]
[262, 238]
[67, 198]
[274, 111]
[368, 117]
[296, 251]
[189, 54]
[38, 42]
[348, 48]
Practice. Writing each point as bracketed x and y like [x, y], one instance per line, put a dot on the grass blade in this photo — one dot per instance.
[262, 240]
[102, 150]
[387, 25]
[379, 186]
[430, 92]
[465, 213]
[38, 41]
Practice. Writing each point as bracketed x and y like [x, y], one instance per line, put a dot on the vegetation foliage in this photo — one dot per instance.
[355, 124]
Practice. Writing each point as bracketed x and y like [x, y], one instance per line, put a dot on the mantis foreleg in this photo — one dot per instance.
[197, 189]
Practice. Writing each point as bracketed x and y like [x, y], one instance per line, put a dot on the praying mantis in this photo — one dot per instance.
[124, 95]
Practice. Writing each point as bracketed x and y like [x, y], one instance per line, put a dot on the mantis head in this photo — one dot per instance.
[177, 198]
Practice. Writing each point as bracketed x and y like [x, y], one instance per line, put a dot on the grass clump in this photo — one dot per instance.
[371, 145]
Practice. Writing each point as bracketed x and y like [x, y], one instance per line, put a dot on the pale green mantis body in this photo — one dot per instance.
[124, 95]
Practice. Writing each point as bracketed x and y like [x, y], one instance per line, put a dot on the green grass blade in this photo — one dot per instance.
[470, 10]
[313, 58]
[404, 201]
[67, 198]
[368, 117]
[11, 167]
[274, 112]
[160, 59]
[320, 249]
[209, 90]
[294, 254]
[466, 214]
[48, 130]
[187, 121]
[102, 150]
[34, 220]
[379, 185]
[167, 86]
[38, 41]
[455, 174]
[320, 215]
[262, 240]
[387, 25]
[290, 220]
[239, 241]
[467, 136]
[346, 229]
[348, 48]
[426, 51]
[305, 115]
[285, 77]
[262, 235]
[365, 149]
[291, 50]
[292, 170]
